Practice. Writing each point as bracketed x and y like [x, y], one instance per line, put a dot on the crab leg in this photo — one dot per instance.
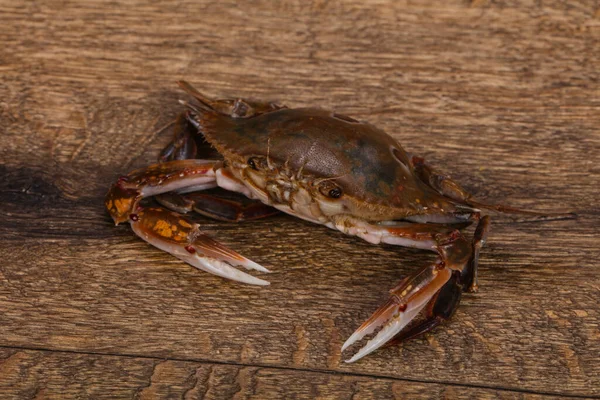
[216, 207]
[446, 186]
[187, 143]
[439, 285]
[443, 305]
[170, 231]
[124, 196]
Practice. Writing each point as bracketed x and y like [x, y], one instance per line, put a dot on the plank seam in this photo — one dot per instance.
[318, 370]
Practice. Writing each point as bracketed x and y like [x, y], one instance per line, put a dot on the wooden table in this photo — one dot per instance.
[505, 96]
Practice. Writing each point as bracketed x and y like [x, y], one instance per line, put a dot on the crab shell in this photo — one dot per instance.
[319, 166]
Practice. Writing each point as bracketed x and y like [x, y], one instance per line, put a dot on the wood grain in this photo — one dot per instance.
[505, 96]
[59, 375]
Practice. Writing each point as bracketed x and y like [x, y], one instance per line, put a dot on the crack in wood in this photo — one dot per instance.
[212, 364]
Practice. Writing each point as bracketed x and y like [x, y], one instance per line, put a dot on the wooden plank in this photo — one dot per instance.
[505, 97]
[29, 374]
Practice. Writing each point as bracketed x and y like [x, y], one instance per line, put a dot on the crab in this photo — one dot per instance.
[320, 166]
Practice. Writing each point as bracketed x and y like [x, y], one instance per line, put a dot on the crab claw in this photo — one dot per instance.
[406, 301]
[182, 238]
[179, 175]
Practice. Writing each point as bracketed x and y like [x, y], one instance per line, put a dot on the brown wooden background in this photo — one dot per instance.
[505, 95]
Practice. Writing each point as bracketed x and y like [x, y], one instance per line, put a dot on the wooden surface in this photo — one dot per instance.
[506, 96]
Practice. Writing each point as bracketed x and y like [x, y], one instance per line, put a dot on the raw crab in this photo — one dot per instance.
[319, 166]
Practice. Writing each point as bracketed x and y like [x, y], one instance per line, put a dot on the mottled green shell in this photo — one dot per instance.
[367, 163]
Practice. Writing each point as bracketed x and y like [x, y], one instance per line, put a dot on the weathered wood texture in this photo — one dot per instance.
[43, 374]
[506, 96]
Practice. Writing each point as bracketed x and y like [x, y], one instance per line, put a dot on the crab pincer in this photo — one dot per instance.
[183, 239]
[438, 287]
[170, 231]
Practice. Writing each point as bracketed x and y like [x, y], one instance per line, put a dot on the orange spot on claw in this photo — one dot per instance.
[184, 223]
[181, 236]
[163, 228]
[123, 206]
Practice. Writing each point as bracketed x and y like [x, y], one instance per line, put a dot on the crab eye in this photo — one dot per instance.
[252, 163]
[330, 189]
[257, 163]
[335, 193]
